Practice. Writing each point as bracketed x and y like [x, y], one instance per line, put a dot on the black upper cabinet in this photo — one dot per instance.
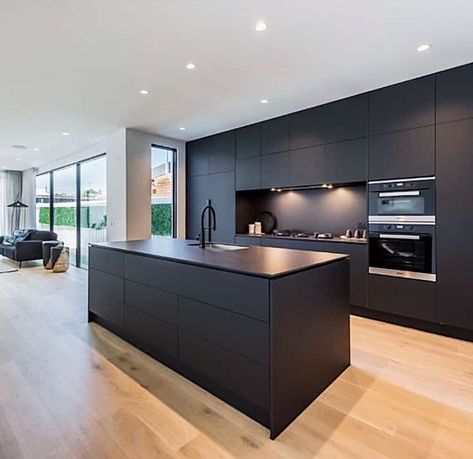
[221, 154]
[455, 94]
[197, 194]
[403, 106]
[275, 170]
[308, 166]
[454, 223]
[222, 194]
[248, 173]
[345, 162]
[275, 135]
[197, 154]
[341, 120]
[402, 154]
[248, 141]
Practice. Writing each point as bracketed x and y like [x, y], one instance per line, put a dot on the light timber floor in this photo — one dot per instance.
[70, 390]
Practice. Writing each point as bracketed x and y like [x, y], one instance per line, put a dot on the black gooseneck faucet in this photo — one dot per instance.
[211, 225]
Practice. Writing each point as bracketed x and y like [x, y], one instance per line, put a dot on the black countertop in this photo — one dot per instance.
[256, 261]
[346, 240]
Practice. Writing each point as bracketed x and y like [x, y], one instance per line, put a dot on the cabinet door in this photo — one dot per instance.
[248, 173]
[454, 222]
[275, 170]
[455, 94]
[222, 194]
[345, 162]
[248, 141]
[197, 157]
[275, 135]
[221, 157]
[340, 120]
[402, 106]
[247, 240]
[402, 154]
[404, 297]
[106, 296]
[308, 166]
[197, 194]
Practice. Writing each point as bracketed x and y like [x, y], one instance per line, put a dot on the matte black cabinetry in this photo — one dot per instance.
[275, 170]
[358, 254]
[275, 135]
[403, 297]
[454, 223]
[402, 106]
[248, 173]
[213, 327]
[341, 120]
[248, 141]
[409, 153]
[211, 165]
[455, 94]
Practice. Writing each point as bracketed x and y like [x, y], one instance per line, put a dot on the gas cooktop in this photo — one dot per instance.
[302, 234]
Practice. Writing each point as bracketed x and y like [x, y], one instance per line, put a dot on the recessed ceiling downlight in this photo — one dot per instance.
[145, 92]
[261, 26]
[264, 101]
[36, 149]
[65, 133]
[423, 47]
[182, 128]
[19, 147]
[190, 66]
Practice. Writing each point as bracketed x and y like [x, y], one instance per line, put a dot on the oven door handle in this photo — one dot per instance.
[411, 237]
[386, 194]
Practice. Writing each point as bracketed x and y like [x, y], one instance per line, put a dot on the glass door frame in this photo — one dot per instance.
[77, 165]
[174, 184]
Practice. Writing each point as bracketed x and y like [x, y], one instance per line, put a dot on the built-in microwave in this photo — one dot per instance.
[402, 200]
[402, 250]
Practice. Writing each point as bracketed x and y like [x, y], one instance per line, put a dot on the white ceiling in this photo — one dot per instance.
[78, 66]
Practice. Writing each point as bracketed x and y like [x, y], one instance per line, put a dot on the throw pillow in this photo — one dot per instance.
[21, 234]
[9, 240]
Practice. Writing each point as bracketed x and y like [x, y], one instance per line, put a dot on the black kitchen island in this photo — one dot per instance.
[265, 329]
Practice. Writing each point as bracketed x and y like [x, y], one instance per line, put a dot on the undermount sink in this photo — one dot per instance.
[218, 247]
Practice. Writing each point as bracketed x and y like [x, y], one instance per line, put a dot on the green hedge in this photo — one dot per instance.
[66, 216]
[161, 219]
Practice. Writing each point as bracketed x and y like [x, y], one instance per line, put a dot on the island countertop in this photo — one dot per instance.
[266, 262]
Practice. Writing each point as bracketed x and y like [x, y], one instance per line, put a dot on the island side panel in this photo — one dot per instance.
[309, 338]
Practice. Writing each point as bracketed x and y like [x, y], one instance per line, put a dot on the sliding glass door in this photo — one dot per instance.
[65, 207]
[93, 205]
[163, 191]
[72, 202]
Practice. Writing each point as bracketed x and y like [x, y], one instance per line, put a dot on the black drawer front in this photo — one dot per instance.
[152, 301]
[237, 333]
[151, 332]
[244, 377]
[246, 295]
[247, 240]
[109, 261]
[106, 296]
[404, 297]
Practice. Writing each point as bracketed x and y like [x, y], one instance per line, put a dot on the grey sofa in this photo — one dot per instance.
[29, 249]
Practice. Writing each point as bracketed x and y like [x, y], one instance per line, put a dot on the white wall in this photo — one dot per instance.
[138, 145]
[129, 181]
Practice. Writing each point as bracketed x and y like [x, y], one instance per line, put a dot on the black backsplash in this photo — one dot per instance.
[324, 210]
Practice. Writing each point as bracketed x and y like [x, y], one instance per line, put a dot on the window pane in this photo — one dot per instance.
[93, 205]
[42, 202]
[162, 186]
[64, 201]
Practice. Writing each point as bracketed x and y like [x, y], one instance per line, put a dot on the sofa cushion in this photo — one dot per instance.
[8, 251]
[41, 235]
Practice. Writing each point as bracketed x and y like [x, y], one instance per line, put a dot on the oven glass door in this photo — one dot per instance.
[402, 252]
